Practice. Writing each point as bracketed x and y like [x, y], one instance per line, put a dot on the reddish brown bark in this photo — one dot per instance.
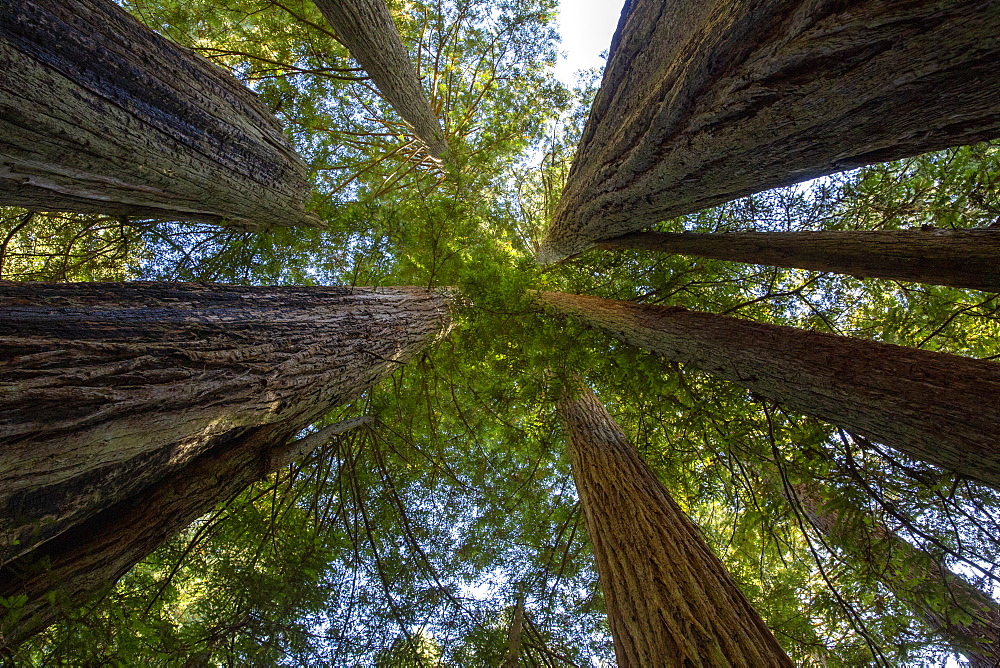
[959, 258]
[670, 600]
[704, 101]
[932, 406]
[100, 114]
[106, 388]
[366, 28]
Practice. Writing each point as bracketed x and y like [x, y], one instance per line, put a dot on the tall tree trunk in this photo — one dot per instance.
[960, 258]
[932, 406]
[514, 635]
[100, 114]
[82, 563]
[366, 28]
[670, 600]
[106, 388]
[916, 578]
[704, 101]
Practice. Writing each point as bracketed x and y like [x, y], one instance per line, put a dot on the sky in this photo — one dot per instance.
[586, 27]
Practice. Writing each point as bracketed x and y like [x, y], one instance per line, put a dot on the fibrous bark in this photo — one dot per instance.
[366, 28]
[915, 577]
[932, 406]
[106, 388]
[670, 600]
[84, 562]
[965, 258]
[100, 114]
[704, 101]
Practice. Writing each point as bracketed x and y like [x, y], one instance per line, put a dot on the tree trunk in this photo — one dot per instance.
[916, 578]
[85, 561]
[967, 258]
[100, 114]
[366, 28]
[106, 388]
[704, 101]
[514, 635]
[935, 407]
[670, 600]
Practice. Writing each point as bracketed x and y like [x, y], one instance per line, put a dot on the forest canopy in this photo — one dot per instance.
[418, 538]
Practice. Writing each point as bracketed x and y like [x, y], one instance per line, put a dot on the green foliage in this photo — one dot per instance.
[407, 543]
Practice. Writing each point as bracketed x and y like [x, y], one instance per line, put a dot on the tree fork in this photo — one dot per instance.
[99, 114]
[962, 258]
[366, 28]
[703, 102]
[932, 406]
[107, 387]
[670, 601]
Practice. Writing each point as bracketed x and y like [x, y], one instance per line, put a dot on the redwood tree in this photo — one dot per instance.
[938, 596]
[706, 101]
[960, 258]
[367, 30]
[85, 561]
[107, 388]
[670, 600]
[100, 114]
[936, 407]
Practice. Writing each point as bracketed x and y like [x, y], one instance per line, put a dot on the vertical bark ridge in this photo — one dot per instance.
[104, 388]
[367, 30]
[704, 101]
[670, 600]
[964, 258]
[100, 114]
[935, 407]
[922, 577]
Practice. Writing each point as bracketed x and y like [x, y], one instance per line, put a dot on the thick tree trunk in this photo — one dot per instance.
[670, 600]
[932, 406]
[105, 388]
[84, 562]
[704, 101]
[366, 28]
[916, 578]
[100, 114]
[959, 258]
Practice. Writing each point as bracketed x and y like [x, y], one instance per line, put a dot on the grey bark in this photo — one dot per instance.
[964, 258]
[367, 30]
[100, 114]
[935, 407]
[704, 101]
[85, 561]
[670, 601]
[915, 577]
[106, 388]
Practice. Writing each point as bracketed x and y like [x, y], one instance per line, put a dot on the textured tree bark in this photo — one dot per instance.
[935, 407]
[670, 600]
[920, 579]
[704, 101]
[366, 28]
[100, 114]
[84, 562]
[959, 258]
[105, 388]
